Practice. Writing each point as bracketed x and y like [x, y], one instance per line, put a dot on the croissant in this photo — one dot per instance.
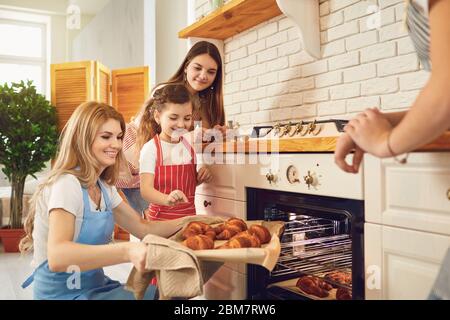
[237, 222]
[261, 232]
[228, 232]
[343, 294]
[314, 286]
[339, 277]
[255, 242]
[242, 240]
[199, 242]
[230, 228]
[197, 228]
[235, 243]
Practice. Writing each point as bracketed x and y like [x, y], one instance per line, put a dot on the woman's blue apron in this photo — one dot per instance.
[96, 229]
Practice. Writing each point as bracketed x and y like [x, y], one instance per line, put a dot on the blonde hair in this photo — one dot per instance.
[174, 93]
[75, 156]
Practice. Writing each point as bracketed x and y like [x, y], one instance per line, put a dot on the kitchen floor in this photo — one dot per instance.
[14, 269]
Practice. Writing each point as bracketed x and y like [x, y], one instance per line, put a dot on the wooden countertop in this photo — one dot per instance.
[321, 144]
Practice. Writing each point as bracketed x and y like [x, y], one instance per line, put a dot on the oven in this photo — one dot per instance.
[323, 240]
[322, 207]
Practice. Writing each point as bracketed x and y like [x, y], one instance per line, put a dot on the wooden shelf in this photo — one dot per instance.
[234, 17]
[316, 144]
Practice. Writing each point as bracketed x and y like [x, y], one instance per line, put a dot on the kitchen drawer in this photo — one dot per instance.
[401, 263]
[414, 195]
[214, 206]
[226, 284]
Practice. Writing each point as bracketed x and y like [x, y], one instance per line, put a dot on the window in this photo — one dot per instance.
[24, 49]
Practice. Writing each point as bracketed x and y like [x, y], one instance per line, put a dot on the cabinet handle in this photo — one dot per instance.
[206, 203]
[448, 194]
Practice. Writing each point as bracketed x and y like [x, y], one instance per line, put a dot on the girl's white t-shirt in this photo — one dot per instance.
[172, 153]
[65, 193]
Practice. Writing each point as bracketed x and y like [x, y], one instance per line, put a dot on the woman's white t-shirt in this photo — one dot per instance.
[65, 193]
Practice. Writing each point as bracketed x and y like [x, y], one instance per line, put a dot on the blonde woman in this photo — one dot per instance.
[75, 209]
[393, 134]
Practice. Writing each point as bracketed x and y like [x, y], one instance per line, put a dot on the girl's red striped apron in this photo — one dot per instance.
[174, 177]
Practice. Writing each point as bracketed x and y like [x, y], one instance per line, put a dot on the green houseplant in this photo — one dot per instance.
[28, 139]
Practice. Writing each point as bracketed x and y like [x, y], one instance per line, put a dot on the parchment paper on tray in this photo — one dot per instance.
[266, 256]
[291, 286]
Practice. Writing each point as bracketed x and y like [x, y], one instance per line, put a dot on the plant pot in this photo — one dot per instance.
[11, 238]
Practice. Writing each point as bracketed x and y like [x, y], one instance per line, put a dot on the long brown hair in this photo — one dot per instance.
[212, 96]
[148, 127]
[75, 156]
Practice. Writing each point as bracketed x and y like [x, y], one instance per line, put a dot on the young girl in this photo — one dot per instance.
[201, 72]
[73, 213]
[168, 162]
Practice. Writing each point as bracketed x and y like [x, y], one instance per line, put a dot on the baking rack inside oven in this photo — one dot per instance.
[322, 240]
[314, 247]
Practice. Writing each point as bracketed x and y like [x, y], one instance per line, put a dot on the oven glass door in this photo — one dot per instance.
[321, 247]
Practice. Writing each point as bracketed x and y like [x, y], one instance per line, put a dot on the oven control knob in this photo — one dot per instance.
[292, 174]
[271, 177]
[309, 179]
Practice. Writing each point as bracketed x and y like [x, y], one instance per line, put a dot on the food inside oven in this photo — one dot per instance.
[316, 257]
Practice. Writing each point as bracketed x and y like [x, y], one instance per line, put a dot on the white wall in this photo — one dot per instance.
[115, 37]
[269, 78]
[61, 37]
[171, 17]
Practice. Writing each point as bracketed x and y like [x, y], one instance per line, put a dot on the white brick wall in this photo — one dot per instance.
[270, 78]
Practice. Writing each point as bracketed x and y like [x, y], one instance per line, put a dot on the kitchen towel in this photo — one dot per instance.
[177, 269]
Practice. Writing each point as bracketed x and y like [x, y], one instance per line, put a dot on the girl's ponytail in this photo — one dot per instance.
[148, 127]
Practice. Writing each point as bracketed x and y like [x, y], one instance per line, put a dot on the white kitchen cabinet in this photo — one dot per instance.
[226, 182]
[401, 263]
[413, 196]
[407, 229]
[229, 282]
[226, 284]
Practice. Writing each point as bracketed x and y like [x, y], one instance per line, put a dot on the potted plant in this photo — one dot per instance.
[28, 139]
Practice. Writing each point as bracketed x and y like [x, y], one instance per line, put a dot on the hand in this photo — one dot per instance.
[222, 129]
[176, 197]
[137, 255]
[204, 175]
[344, 146]
[370, 130]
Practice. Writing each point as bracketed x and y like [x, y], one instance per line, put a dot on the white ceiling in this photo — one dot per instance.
[89, 7]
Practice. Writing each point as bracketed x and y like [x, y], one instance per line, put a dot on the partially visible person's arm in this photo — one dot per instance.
[394, 118]
[429, 117]
[126, 218]
[64, 253]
